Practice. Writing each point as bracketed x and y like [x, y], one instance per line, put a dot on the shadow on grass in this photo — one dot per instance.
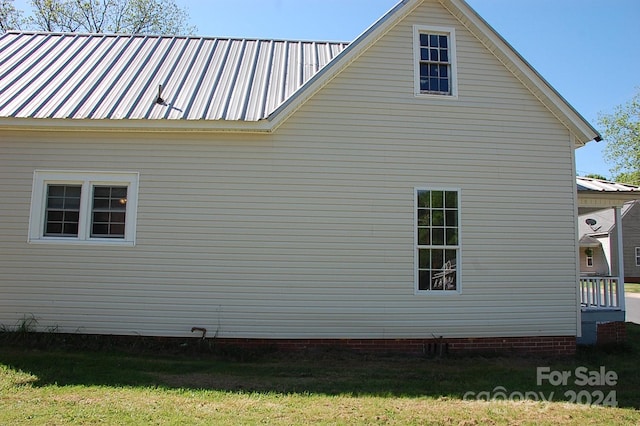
[94, 361]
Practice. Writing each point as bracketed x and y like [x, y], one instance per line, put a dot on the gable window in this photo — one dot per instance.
[434, 61]
[589, 257]
[437, 235]
[83, 207]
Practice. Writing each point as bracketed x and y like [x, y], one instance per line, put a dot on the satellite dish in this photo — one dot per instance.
[590, 222]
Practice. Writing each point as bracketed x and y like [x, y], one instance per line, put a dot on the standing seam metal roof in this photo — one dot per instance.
[599, 185]
[111, 76]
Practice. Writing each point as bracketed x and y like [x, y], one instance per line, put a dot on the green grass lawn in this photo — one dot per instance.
[58, 384]
[631, 288]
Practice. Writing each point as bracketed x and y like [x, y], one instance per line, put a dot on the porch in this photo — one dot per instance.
[601, 283]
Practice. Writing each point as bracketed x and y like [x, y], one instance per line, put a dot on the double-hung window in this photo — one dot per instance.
[637, 256]
[434, 61]
[84, 207]
[437, 235]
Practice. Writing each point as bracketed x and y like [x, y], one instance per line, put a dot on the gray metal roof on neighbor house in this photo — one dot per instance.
[108, 76]
[599, 185]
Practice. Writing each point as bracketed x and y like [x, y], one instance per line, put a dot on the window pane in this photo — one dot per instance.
[438, 217]
[434, 56]
[424, 260]
[444, 86]
[424, 39]
[444, 55]
[452, 236]
[451, 199]
[423, 217]
[451, 218]
[437, 199]
[444, 41]
[424, 236]
[437, 236]
[433, 40]
[437, 259]
[53, 228]
[424, 54]
[101, 191]
[70, 229]
[424, 280]
[424, 198]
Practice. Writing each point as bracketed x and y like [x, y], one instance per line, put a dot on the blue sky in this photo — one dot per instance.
[588, 50]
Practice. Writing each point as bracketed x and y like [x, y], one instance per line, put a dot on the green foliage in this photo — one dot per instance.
[622, 132]
[596, 176]
[10, 17]
[111, 16]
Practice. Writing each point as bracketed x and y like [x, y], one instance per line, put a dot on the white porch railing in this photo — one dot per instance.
[599, 293]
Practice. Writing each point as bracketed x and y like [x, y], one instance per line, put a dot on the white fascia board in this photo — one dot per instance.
[137, 125]
[577, 124]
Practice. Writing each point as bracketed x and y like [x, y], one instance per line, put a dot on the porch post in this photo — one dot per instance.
[620, 255]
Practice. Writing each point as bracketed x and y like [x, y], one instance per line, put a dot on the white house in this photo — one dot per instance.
[609, 232]
[415, 184]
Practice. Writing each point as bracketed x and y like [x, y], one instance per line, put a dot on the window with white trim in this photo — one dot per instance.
[637, 256]
[437, 236]
[589, 257]
[83, 207]
[434, 61]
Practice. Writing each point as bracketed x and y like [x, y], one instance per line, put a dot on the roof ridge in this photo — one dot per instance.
[171, 36]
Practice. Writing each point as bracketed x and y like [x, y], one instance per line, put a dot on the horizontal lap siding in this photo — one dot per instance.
[308, 232]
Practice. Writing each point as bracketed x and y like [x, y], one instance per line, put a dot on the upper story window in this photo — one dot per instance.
[434, 61]
[83, 207]
[437, 227]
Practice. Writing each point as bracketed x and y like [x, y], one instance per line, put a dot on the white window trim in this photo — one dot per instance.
[88, 179]
[587, 261]
[436, 293]
[637, 256]
[449, 31]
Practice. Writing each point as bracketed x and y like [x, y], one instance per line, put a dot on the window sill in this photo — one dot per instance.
[75, 241]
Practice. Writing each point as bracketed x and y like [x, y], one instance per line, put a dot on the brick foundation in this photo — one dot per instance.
[544, 345]
[611, 333]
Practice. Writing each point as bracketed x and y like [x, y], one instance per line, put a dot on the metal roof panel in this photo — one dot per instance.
[109, 76]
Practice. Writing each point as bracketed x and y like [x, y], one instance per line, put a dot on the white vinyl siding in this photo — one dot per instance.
[308, 232]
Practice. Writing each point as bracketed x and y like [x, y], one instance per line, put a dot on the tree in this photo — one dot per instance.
[10, 17]
[622, 132]
[111, 16]
[596, 176]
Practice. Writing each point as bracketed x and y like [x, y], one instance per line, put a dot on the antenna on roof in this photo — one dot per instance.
[159, 100]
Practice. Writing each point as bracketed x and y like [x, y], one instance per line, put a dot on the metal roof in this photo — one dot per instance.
[599, 185]
[111, 76]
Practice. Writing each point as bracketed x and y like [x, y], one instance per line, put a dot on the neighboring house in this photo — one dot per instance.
[602, 205]
[598, 236]
[415, 186]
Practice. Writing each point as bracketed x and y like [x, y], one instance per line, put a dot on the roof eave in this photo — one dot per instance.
[581, 129]
[134, 125]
